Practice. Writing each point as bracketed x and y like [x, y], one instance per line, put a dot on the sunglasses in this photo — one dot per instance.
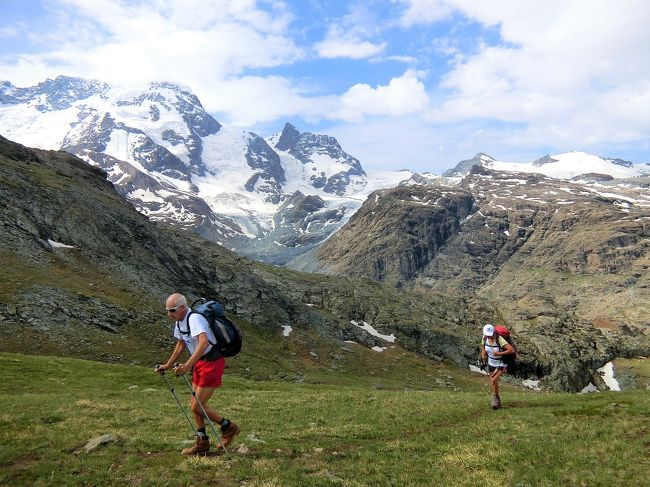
[173, 310]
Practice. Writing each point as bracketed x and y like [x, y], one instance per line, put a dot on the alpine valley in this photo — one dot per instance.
[558, 249]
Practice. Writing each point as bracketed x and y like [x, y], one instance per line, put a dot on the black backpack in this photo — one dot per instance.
[228, 335]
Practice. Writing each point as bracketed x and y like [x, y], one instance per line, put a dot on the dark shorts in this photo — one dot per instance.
[501, 367]
[207, 373]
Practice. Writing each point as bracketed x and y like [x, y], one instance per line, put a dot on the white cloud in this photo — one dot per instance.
[573, 71]
[425, 11]
[126, 42]
[401, 96]
[348, 48]
[251, 100]
[348, 38]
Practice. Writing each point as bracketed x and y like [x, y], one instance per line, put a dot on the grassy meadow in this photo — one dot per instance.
[306, 434]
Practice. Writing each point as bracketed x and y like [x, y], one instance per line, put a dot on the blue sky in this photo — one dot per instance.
[418, 84]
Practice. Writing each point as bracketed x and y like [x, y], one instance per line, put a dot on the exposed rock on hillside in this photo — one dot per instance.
[84, 274]
[549, 252]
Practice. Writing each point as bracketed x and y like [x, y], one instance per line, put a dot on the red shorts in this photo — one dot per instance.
[207, 373]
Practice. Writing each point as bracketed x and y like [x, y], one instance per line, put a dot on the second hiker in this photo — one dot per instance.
[493, 348]
[192, 332]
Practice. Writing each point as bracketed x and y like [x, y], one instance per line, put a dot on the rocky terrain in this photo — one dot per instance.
[567, 263]
[86, 275]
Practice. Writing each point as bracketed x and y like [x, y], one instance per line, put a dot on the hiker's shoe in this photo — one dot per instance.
[201, 446]
[495, 402]
[228, 433]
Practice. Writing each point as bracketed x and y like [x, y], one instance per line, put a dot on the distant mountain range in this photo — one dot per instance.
[559, 246]
[271, 199]
[175, 163]
[575, 165]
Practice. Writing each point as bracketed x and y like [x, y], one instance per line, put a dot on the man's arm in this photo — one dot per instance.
[178, 350]
[194, 358]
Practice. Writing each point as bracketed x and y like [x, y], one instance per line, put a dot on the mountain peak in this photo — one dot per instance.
[464, 167]
[482, 156]
[288, 138]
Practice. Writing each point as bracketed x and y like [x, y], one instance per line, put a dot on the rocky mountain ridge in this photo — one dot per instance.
[84, 270]
[551, 254]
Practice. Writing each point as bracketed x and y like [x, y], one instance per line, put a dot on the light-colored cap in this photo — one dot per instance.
[488, 330]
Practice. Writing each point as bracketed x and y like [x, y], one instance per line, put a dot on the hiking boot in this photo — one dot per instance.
[496, 404]
[201, 446]
[229, 432]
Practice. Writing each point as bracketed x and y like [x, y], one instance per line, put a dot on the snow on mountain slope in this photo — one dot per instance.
[269, 199]
[33, 128]
[567, 165]
[571, 164]
[177, 164]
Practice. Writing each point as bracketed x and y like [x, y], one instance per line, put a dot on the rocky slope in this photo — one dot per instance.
[84, 274]
[567, 263]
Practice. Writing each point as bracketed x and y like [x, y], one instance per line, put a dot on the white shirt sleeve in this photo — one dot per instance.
[199, 325]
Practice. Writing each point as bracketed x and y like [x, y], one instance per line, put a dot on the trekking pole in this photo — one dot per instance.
[205, 415]
[171, 388]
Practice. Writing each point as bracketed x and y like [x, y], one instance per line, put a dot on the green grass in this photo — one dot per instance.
[311, 434]
[633, 373]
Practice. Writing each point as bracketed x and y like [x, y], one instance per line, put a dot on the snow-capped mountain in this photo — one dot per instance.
[176, 163]
[573, 165]
[320, 160]
[271, 199]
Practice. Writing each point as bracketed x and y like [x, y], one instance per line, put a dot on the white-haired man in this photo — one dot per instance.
[192, 332]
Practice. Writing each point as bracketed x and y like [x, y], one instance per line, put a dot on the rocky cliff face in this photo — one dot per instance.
[567, 263]
[84, 274]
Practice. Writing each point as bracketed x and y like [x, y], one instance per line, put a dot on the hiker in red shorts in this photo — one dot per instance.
[193, 333]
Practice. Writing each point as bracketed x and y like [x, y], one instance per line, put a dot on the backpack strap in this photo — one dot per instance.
[189, 331]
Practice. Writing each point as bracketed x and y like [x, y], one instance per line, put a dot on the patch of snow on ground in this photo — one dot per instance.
[589, 388]
[373, 332]
[59, 244]
[146, 196]
[286, 330]
[607, 372]
[532, 384]
[379, 349]
[474, 368]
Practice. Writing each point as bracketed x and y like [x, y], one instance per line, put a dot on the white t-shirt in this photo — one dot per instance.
[198, 325]
[491, 346]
